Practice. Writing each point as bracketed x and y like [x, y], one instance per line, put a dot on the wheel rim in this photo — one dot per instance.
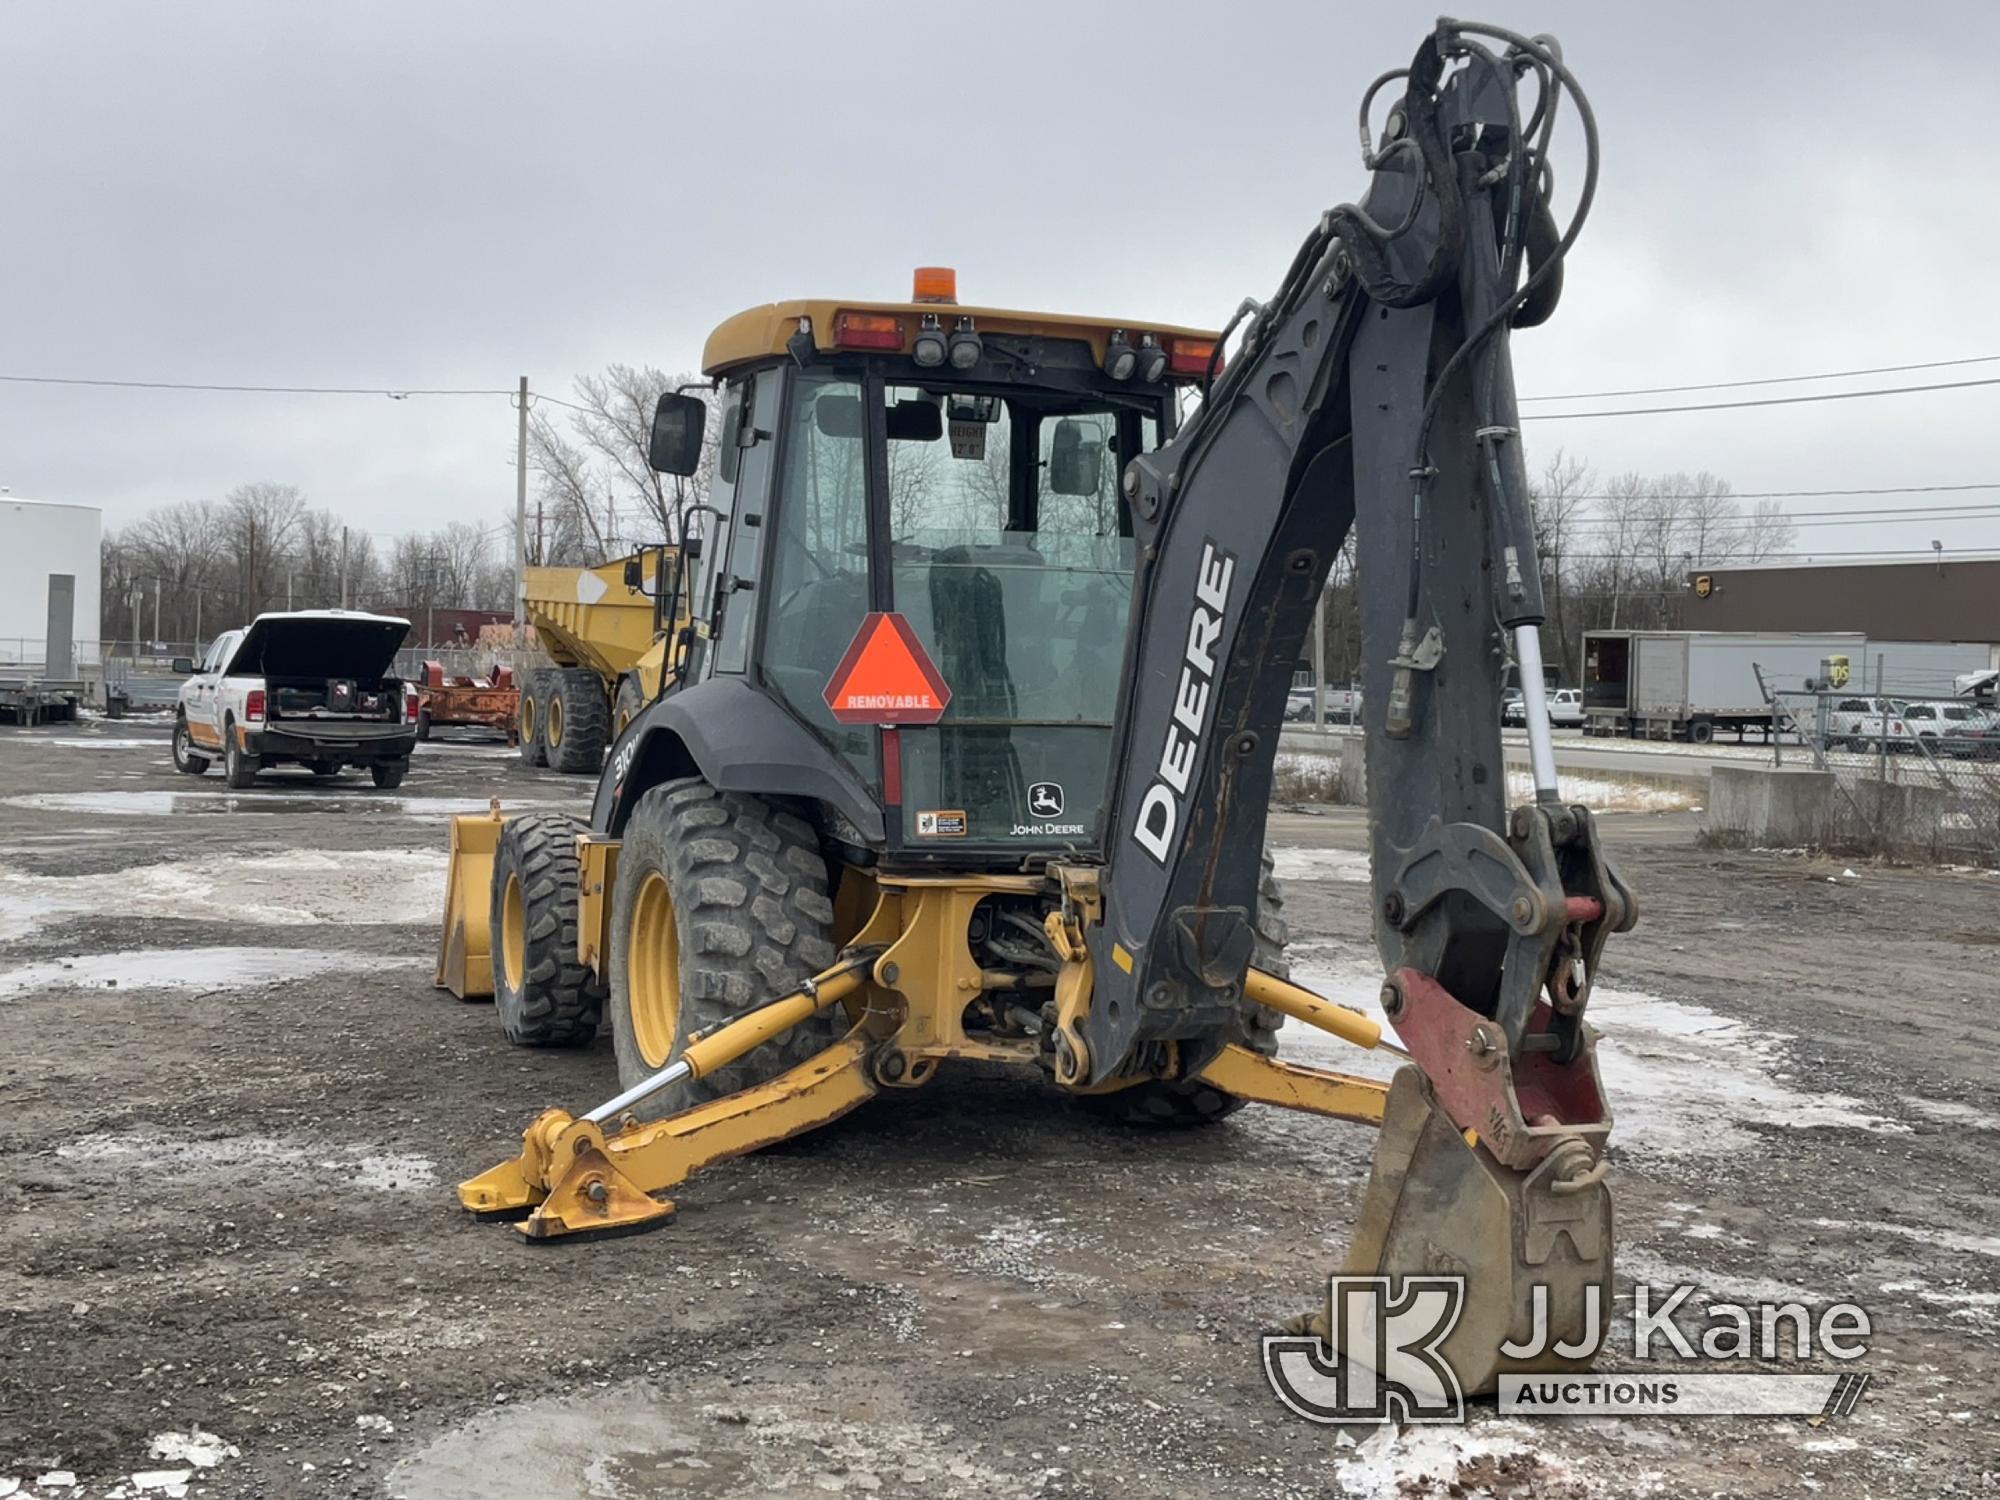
[513, 934]
[653, 972]
[180, 742]
[528, 720]
[555, 721]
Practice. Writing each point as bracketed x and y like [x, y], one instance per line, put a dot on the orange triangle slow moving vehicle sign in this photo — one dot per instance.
[886, 677]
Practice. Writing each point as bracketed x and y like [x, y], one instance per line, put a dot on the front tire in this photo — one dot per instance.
[185, 760]
[631, 703]
[528, 727]
[1180, 1105]
[721, 906]
[542, 993]
[577, 722]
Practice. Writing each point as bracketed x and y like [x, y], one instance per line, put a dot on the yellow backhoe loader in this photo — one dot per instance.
[972, 747]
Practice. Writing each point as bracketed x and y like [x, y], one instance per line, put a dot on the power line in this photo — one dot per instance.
[395, 394]
[1894, 489]
[1654, 411]
[1729, 385]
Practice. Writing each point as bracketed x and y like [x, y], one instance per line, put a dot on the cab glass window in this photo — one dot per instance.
[818, 570]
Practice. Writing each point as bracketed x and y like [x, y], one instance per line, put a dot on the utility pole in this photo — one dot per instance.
[541, 555]
[250, 593]
[288, 590]
[343, 568]
[1319, 660]
[521, 520]
[156, 611]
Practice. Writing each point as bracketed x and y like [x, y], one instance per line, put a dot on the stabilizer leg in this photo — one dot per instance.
[575, 1179]
[1320, 1091]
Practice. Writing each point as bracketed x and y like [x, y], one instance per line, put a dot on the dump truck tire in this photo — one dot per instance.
[721, 905]
[631, 703]
[576, 722]
[1179, 1106]
[423, 723]
[542, 993]
[185, 759]
[528, 725]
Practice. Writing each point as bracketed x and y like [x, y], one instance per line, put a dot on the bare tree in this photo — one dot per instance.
[260, 522]
[597, 472]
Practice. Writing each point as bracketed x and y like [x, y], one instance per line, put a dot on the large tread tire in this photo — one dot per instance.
[528, 727]
[585, 721]
[555, 1001]
[631, 703]
[239, 768]
[1180, 1106]
[186, 761]
[749, 895]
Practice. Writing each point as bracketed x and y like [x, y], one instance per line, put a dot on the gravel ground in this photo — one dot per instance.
[231, 1263]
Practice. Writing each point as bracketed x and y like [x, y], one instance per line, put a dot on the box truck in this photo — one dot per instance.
[1687, 684]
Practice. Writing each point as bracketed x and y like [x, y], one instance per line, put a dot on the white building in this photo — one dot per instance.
[49, 571]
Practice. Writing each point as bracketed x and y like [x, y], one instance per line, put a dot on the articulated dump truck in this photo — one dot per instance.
[606, 630]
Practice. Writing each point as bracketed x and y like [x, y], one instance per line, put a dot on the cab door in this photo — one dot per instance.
[205, 692]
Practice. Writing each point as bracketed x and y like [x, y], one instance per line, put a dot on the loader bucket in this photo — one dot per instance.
[465, 952]
[1533, 1244]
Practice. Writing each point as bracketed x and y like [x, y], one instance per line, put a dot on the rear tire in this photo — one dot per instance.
[1182, 1105]
[423, 723]
[721, 906]
[239, 768]
[631, 703]
[528, 725]
[577, 722]
[389, 774]
[185, 760]
[543, 994]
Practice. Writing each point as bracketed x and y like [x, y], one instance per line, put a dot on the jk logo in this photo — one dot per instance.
[1382, 1364]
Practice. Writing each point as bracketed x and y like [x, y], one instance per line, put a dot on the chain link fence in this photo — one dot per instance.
[1913, 776]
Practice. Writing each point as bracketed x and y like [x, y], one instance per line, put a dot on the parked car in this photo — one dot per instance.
[1343, 705]
[1565, 708]
[310, 687]
[1861, 723]
[1956, 729]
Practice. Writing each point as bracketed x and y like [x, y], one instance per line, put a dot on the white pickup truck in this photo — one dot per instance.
[310, 687]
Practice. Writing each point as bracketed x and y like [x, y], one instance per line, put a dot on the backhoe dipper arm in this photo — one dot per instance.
[1374, 391]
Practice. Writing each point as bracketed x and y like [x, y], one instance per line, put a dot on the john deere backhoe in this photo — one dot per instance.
[970, 747]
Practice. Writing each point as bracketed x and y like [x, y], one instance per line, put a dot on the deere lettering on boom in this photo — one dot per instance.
[967, 745]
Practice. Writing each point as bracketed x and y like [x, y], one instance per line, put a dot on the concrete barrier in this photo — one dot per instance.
[1783, 807]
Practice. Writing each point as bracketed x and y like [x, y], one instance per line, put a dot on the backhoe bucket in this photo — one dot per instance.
[1532, 1244]
[465, 952]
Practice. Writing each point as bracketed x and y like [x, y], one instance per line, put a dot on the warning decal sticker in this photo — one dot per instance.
[886, 677]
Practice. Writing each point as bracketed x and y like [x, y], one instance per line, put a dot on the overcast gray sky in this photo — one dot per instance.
[454, 194]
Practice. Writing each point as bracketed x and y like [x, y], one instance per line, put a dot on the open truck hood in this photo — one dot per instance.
[319, 643]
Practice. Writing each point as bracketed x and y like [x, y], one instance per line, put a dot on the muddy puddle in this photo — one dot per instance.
[190, 969]
[297, 888]
[156, 804]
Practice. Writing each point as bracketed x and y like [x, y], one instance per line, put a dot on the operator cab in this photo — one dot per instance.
[956, 469]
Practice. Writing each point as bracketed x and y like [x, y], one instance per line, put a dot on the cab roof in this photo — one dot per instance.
[760, 333]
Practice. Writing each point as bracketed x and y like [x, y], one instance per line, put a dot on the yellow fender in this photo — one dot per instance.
[465, 952]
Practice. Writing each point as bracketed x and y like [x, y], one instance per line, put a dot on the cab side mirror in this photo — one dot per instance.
[184, 665]
[678, 424]
[635, 576]
[1076, 460]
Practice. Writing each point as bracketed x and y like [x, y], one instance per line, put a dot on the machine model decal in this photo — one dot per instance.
[886, 677]
[1160, 810]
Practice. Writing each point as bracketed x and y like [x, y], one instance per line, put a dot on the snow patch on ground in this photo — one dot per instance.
[1447, 1460]
[1319, 864]
[1951, 1112]
[291, 889]
[190, 969]
[179, 1156]
[1685, 1082]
